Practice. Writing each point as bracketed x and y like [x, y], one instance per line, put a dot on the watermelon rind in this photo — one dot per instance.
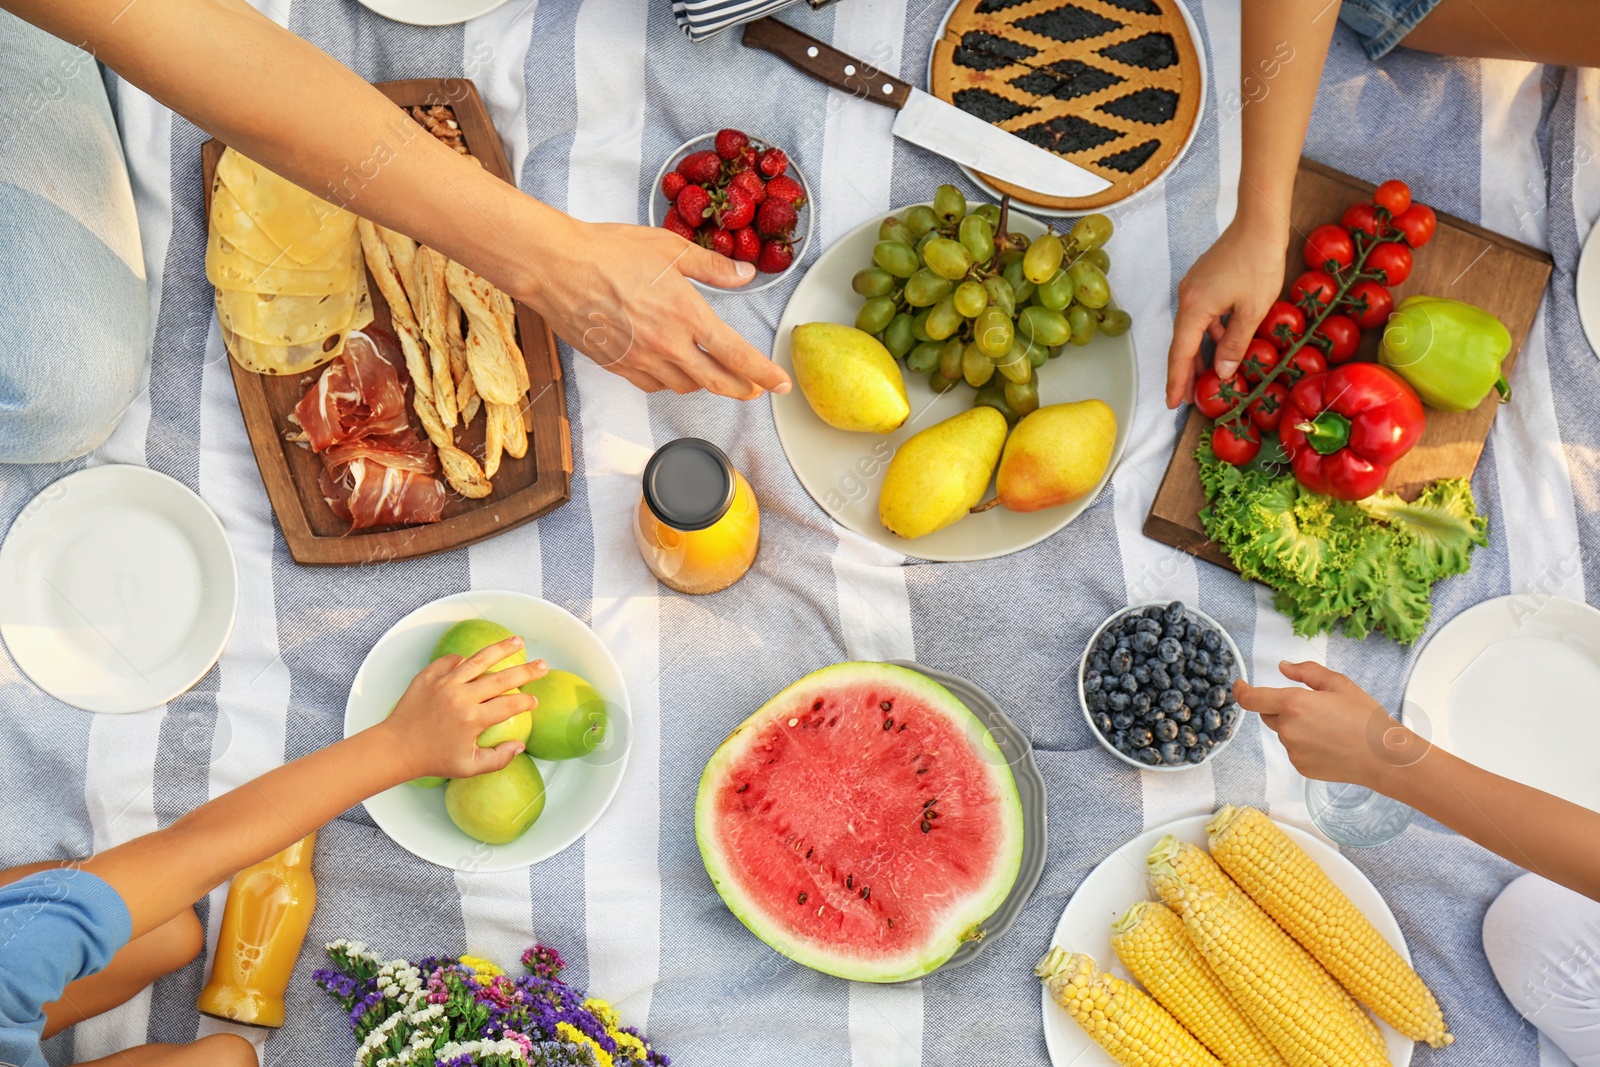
[959, 924]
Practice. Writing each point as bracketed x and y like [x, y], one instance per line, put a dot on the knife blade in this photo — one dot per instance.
[927, 121]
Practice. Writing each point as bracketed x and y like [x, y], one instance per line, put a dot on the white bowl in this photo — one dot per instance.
[802, 234]
[1083, 702]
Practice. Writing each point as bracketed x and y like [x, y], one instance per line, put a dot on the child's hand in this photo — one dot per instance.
[1333, 731]
[436, 724]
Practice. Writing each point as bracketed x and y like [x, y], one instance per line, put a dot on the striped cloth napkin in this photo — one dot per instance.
[701, 19]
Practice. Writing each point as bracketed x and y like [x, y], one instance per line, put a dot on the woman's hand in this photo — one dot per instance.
[434, 728]
[1333, 731]
[621, 295]
[1239, 276]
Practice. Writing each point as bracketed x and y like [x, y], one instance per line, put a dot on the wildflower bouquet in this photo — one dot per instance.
[466, 1012]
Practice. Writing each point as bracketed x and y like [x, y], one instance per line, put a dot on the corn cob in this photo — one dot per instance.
[1133, 1029]
[1306, 1015]
[1151, 942]
[1278, 875]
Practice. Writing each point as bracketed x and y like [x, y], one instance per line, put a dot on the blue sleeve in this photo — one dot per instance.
[55, 927]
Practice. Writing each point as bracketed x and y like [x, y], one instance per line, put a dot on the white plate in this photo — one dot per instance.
[117, 589]
[843, 470]
[431, 12]
[1119, 883]
[1507, 684]
[577, 792]
[1587, 285]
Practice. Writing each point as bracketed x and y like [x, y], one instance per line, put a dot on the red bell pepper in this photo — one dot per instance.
[1344, 428]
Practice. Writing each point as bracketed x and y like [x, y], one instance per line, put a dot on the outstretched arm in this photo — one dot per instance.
[617, 293]
[1282, 49]
[1335, 732]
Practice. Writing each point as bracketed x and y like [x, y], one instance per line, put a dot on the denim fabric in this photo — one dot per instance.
[74, 311]
[1382, 23]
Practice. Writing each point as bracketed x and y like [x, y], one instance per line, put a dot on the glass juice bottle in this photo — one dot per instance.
[698, 525]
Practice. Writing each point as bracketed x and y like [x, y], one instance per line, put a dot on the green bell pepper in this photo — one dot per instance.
[1448, 351]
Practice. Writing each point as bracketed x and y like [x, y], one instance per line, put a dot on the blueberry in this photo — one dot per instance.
[1173, 612]
[1121, 661]
[1106, 642]
[1117, 701]
[1181, 683]
[1225, 657]
[1159, 676]
[1150, 756]
[1169, 650]
[1142, 702]
[1173, 630]
[1121, 720]
[1153, 716]
[1186, 737]
[1204, 740]
[1216, 696]
[1099, 662]
[1119, 741]
[1170, 700]
[1211, 641]
[1212, 720]
[1102, 722]
[1182, 713]
[1196, 754]
[1188, 648]
[1166, 730]
[1128, 683]
[1139, 736]
[1152, 612]
[1149, 626]
[1201, 659]
[1172, 752]
[1141, 673]
[1230, 714]
[1091, 682]
[1218, 675]
[1145, 642]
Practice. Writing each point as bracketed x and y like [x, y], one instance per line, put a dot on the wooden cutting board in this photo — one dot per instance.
[524, 488]
[1462, 262]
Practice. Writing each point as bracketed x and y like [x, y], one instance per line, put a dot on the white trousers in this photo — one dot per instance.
[1543, 941]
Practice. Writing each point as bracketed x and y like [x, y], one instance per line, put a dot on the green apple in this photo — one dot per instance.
[469, 637]
[497, 807]
[571, 719]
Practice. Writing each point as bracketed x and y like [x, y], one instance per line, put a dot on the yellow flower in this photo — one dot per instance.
[603, 1011]
[481, 967]
[627, 1043]
[602, 1058]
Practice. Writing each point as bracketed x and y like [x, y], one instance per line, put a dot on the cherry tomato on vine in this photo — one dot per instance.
[1328, 243]
[1393, 196]
[1363, 218]
[1260, 356]
[1237, 444]
[1317, 285]
[1393, 258]
[1266, 410]
[1417, 223]
[1343, 336]
[1209, 390]
[1283, 323]
[1306, 361]
[1369, 304]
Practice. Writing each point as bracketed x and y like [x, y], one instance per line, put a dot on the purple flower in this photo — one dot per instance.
[543, 962]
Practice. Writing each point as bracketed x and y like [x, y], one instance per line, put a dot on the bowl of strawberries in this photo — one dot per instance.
[738, 196]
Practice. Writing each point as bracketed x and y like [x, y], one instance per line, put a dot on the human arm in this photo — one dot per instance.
[1283, 46]
[1334, 731]
[620, 294]
[432, 731]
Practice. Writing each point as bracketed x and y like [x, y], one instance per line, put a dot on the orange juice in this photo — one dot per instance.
[698, 525]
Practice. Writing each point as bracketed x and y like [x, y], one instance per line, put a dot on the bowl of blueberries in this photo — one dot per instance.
[1156, 686]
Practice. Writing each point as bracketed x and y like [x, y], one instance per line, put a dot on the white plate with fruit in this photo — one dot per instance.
[1121, 881]
[578, 738]
[879, 396]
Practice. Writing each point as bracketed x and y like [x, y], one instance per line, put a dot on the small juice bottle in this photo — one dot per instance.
[264, 924]
[698, 525]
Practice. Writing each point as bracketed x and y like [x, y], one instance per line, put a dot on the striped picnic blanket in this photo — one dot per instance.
[589, 97]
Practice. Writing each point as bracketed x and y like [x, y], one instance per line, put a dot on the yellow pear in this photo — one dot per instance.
[940, 473]
[1056, 455]
[848, 377]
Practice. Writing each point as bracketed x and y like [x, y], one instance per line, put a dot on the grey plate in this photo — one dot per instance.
[1030, 789]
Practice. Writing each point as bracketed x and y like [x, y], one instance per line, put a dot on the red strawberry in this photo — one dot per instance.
[675, 223]
[746, 245]
[746, 160]
[700, 167]
[772, 163]
[718, 240]
[776, 218]
[732, 209]
[751, 183]
[672, 184]
[731, 143]
[775, 256]
[784, 187]
[694, 204]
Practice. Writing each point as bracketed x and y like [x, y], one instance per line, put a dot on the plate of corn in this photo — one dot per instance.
[1232, 941]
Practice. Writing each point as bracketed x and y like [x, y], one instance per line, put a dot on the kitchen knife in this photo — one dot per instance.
[924, 120]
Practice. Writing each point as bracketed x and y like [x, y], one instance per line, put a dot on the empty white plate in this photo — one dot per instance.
[1509, 684]
[432, 12]
[117, 589]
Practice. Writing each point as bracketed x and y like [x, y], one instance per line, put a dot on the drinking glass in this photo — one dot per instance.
[1355, 815]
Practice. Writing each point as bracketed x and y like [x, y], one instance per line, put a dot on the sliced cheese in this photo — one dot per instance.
[229, 218]
[289, 320]
[303, 225]
[227, 267]
[261, 358]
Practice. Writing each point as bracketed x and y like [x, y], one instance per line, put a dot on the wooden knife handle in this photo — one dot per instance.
[826, 63]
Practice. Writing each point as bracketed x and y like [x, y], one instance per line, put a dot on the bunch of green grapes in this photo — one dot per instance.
[956, 305]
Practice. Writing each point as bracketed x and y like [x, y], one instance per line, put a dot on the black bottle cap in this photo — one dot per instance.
[689, 484]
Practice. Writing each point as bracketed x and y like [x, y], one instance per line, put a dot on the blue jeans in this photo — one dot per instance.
[1382, 24]
[74, 308]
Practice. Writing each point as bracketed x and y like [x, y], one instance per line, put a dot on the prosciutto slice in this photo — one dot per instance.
[376, 470]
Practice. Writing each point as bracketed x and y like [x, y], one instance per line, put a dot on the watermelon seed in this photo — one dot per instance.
[866, 892]
[929, 802]
[802, 898]
[794, 722]
[742, 788]
[809, 851]
[891, 924]
[817, 706]
[922, 770]
[849, 881]
[926, 826]
[887, 723]
[902, 727]
[885, 705]
[933, 815]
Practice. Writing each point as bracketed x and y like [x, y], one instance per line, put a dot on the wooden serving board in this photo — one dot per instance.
[1463, 262]
[524, 488]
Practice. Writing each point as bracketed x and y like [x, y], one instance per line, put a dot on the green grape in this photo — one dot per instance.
[1043, 259]
[1098, 257]
[950, 355]
[919, 326]
[947, 258]
[971, 298]
[892, 229]
[1010, 256]
[977, 237]
[943, 319]
[872, 281]
[1083, 323]
[897, 335]
[975, 366]
[924, 357]
[1056, 293]
[1089, 285]
[924, 288]
[1021, 287]
[994, 396]
[1038, 353]
[1022, 397]
[1091, 231]
[994, 332]
[1043, 325]
[1114, 322]
[875, 314]
[922, 242]
[896, 257]
[919, 220]
[949, 203]
[939, 383]
[1014, 364]
[1000, 294]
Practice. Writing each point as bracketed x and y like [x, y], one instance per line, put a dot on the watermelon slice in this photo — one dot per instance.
[862, 822]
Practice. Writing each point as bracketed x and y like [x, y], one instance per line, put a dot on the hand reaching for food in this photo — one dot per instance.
[1333, 730]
